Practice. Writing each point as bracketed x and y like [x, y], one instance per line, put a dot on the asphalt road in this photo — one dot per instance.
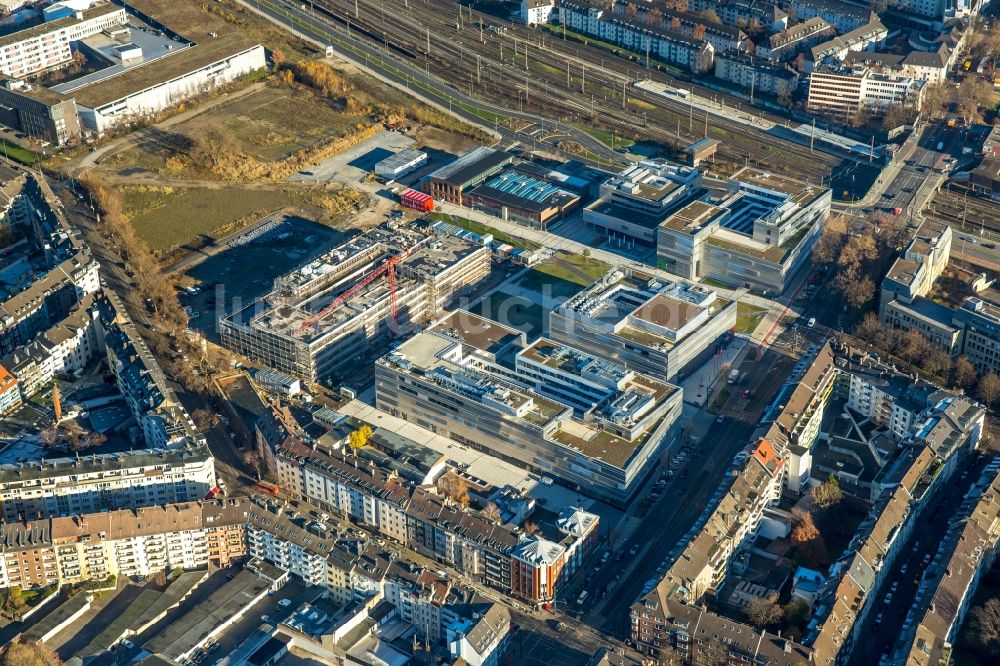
[230, 466]
[678, 508]
[884, 624]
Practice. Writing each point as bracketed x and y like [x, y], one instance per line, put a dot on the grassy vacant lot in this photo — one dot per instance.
[270, 125]
[563, 275]
[748, 317]
[206, 213]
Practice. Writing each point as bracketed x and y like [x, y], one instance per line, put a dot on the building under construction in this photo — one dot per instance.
[320, 317]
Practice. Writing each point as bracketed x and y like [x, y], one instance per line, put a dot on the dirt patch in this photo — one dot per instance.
[432, 137]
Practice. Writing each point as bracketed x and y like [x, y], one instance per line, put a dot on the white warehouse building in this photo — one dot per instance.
[141, 92]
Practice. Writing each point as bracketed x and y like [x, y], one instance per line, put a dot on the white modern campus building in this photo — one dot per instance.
[592, 424]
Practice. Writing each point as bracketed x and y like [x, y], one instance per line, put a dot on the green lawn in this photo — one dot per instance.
[718, 284]
[564, 275]
[720, 401]
[748, 317]
[607, 138]
[19, 154]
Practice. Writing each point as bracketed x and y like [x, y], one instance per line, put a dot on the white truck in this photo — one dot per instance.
[733, 376]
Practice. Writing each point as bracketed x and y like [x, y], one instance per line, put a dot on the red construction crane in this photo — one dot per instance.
[389, 266]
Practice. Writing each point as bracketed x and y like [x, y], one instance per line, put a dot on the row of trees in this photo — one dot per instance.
[915, 349]
[857, 257]
[182, 358]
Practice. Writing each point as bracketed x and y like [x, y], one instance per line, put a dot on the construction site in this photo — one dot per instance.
[339, 307]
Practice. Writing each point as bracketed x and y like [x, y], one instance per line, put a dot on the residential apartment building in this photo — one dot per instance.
[41, 291]
[592, 18]
[481, 641]
[890, 400]
[140, 541]
[722, 37]
[866, 37]
[755, 74]
[97, 482]
[854, 589]
[10, 393]
[161, 417]
[297, 330]
[702, 563]
[693, 635]
[744, 13]
[65, 348]
[842, 90]
[929, 66]
[590, 423]
[943, 598]
[392, 498]
[634, 202]
[535, 12]
[47, 45]
[785, 45]
[288, 546]
[796, 428]
[652, 326]
[668, 622]
[757, 235]
[843, 16]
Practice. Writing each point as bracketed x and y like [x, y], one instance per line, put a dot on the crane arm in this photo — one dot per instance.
[389, 265]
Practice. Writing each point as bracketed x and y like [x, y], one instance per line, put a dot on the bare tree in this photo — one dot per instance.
[935, 97]
[870, 328]
[454, 487]
[988, 389]
[764, 612]
[914, 346]
[963, 373]
[828, 493]
[974, 94]
[28, 654]
[205, 419]
[983, 628]
[830, 241]
[937, 361]
[492, 512]
[807, 538]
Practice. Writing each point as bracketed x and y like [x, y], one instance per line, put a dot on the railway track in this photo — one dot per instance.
[961, 207]
[533, 71]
